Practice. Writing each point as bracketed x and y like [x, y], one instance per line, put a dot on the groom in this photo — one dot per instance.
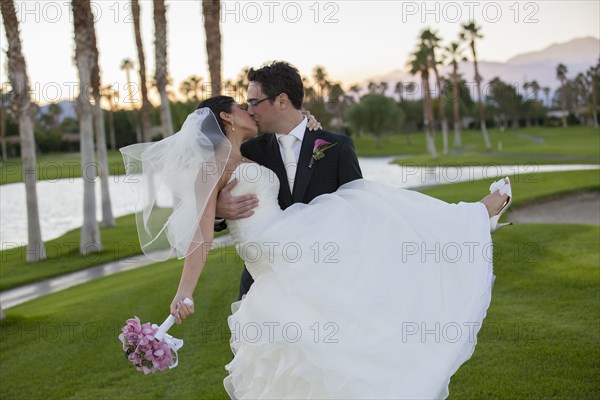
[275, 96]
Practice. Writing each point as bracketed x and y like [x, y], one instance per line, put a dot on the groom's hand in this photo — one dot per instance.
[235, 207]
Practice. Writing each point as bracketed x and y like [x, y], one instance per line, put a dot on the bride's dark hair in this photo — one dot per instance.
[217, 104]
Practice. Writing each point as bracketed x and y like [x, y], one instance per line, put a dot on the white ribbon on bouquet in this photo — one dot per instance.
[162, 335]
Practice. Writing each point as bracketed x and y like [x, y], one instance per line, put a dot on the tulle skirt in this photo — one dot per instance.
[371, 292]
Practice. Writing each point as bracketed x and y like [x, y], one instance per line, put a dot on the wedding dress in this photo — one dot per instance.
[370, 292]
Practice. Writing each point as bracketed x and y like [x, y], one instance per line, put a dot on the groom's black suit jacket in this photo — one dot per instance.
[339, 166]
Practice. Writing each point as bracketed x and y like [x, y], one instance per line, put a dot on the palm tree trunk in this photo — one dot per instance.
[456, 106]
[594, 102]
[429, 120]
[17, 72]
[486, 137]
[442, 108]
[211, 11]
[111, 128]
[107, 214]
[90, 234]
[563, 96]
[35, 245]
[146, 106]
[134, 116]
[160, 45]
[3, 132]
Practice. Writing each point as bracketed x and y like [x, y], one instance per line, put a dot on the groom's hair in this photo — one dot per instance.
[217, 104]
[279, 77]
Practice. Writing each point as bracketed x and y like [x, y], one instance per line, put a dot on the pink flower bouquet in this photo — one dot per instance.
[142, 348]
[148, 346]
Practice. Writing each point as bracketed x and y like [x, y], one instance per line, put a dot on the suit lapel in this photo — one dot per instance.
[276, 165]
[303, 173]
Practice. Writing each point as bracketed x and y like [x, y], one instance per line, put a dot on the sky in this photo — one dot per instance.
[353, 40]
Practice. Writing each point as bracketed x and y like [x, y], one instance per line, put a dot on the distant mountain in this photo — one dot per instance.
[577, 54]
[574, 51]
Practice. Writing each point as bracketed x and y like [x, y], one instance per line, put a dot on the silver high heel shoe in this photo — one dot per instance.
[503, 186]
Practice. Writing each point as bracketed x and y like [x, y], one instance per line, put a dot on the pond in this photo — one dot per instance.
[61, 202]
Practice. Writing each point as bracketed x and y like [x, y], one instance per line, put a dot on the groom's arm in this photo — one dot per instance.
[348, 167]
[231, 207]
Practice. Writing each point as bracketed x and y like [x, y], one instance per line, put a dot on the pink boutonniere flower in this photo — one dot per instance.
[319, 150]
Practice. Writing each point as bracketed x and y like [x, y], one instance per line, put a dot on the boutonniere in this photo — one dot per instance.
[319, 150]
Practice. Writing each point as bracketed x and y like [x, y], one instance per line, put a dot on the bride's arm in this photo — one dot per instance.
[194, 262]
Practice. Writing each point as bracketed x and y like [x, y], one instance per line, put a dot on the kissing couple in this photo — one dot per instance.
[351, 289]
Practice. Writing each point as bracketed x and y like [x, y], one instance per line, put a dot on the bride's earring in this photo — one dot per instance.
[232, 126]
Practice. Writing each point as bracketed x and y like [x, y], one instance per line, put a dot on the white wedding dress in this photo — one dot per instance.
[370, 292]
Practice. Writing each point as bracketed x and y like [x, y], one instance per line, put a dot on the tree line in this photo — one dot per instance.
[90, 116]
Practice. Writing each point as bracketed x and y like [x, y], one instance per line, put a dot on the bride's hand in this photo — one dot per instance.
[180, 310]
[313, 124]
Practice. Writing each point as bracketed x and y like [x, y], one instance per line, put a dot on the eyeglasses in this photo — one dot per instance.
[254, 102]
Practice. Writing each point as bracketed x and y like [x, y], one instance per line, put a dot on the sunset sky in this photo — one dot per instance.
[353, 40]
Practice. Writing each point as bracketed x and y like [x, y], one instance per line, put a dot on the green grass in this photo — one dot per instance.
[65, 345]
[526, 188]
[539, 340]
[559, 146]
[118, 242]
[56, 166]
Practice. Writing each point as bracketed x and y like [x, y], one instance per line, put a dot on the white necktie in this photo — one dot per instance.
[289, 159]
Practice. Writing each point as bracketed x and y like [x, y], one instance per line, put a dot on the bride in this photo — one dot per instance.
[368, 292]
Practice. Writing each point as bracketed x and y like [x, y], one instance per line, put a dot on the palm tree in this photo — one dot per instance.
[561, 75]
[54, 112]
[383, 86]
[186, 88]
[146, 106]
[321, 79]
[228, 87]
[108, 219]
[419, 64]
[242, 85]
[432, 42]
[594, 73]
[3, 107]
[372, 87]
[160, 47]
[84, 57]
[309, 92]
[355, 90]
[211, 10]
[535, 88]
[470, 33]
[127, 65]
[22, 107]
[338, 99]
[454, 54]
[192, 88]
[399, 90]
[581, 83]
[110, 94]
[546, 91]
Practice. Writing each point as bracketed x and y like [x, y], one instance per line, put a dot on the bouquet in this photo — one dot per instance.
[148, 346]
